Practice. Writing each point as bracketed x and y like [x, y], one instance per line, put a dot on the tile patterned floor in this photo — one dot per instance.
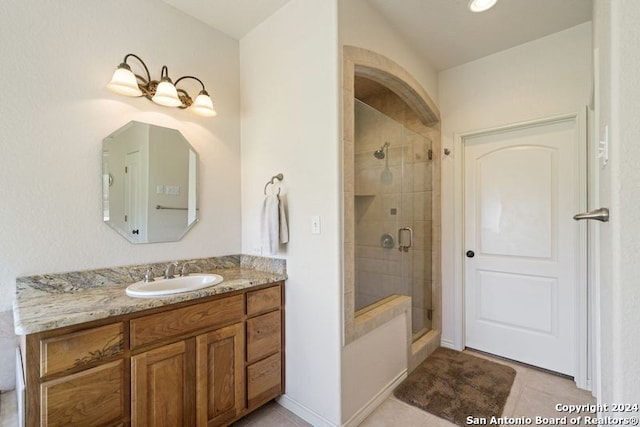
[8, 410]
[534, 393]
[271, 415]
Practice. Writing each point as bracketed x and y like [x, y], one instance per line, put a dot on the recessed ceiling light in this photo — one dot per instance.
[481, 5]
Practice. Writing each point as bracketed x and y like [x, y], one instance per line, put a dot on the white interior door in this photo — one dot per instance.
[132, 197]
[521, 189]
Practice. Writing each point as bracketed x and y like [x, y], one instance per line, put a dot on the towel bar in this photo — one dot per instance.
[174, 209]
[279, 177]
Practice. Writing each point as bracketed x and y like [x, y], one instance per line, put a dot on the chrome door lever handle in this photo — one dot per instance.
[601, 214]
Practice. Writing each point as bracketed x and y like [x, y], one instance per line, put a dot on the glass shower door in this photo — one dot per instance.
[416, 229]
[392, 214]
[378, 188]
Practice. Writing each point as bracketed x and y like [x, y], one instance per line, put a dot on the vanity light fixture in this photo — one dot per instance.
[481, 5]
[163, 92]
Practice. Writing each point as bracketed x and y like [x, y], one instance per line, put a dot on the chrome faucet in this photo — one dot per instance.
[148, 275]
[170, 271]
[185, 269]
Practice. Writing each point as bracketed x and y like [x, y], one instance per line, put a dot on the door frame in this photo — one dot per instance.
[583, 334]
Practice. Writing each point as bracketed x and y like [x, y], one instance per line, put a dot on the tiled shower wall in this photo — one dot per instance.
[391, 193]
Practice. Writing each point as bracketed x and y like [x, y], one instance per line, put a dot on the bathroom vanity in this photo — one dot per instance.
[202, 358]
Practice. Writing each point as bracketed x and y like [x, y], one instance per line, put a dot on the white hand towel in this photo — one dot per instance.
[284, 226]
[273, 225]
[269, 228]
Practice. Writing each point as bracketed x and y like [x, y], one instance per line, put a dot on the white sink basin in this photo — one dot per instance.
[173, 286]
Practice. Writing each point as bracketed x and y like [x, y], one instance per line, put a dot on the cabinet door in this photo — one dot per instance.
[220, 375]
[161, 388]
[94, 397]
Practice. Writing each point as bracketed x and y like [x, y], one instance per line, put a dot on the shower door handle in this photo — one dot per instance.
[401, 246]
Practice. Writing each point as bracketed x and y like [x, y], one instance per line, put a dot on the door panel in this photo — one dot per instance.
[522, 292]
[509, 180]
[521, 190]
[160, 387]
[220, 391]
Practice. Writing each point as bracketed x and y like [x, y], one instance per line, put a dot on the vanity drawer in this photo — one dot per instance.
[264, 380]
[181, 321]
[76, 349]
[264, 335]
[94, 397]
[263, 300]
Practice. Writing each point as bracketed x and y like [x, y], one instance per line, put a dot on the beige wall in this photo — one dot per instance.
[55, 111]
[616, 36]
[289, 84]
[362, 26]
[379, 359]
[542, 78]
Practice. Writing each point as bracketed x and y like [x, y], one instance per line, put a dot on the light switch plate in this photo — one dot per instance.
[315, 225]
[173, 190]
[603, 148]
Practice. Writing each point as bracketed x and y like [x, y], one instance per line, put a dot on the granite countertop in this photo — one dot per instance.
[51, 301]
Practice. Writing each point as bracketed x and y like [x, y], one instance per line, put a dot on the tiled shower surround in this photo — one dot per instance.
[391, 193]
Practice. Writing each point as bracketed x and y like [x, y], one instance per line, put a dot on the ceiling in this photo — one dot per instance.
[233, 17]
[445, 32]
[448, 34]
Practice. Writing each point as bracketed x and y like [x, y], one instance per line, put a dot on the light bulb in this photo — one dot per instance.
[124, 82]
[203, 106]
[166, 94]
[481, 5]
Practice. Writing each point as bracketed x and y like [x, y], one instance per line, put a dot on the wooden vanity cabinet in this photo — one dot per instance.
[201, 364]
[198, 380]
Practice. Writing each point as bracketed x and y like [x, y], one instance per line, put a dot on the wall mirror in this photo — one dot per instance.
[149, 183]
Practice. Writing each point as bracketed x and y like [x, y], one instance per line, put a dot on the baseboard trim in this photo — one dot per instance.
[303, 412]
[357, 418]
[448, 344]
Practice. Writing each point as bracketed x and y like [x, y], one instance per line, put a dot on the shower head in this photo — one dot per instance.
[379, 153]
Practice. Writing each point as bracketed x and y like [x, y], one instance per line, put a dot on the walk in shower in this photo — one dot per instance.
[394, 171]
